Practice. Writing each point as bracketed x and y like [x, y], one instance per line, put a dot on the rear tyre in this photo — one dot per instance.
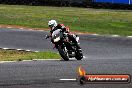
[63, 53]
[79, 54]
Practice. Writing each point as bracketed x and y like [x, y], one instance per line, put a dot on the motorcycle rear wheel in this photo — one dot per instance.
[79, 55]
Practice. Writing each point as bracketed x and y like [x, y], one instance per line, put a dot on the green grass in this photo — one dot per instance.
[102, 21]
[13, 55]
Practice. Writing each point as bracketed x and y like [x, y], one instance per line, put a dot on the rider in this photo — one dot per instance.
[54, 26]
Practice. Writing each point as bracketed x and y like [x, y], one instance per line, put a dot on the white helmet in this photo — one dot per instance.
[52, 23]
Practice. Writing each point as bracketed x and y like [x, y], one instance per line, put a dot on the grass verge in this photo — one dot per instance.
[102, 21]
[14, 55]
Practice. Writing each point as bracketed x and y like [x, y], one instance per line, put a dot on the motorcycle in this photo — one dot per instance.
[67, 49]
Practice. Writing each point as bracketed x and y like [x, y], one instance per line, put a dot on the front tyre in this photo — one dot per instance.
[63, 53]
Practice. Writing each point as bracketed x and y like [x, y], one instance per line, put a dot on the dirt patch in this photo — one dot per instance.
[45, 29]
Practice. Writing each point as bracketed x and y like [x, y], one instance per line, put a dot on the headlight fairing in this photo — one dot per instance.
[57, 39]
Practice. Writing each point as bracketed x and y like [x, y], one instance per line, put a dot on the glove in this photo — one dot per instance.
[47, 36]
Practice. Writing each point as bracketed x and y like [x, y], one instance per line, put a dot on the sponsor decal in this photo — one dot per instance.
[84, 78]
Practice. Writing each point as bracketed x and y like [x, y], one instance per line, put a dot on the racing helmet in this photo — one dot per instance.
[52, 23]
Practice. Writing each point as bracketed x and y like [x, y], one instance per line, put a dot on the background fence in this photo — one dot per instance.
[115, 1]
[82, 3]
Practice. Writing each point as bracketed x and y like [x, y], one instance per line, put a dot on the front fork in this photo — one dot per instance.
[63, 46]
[57, 45]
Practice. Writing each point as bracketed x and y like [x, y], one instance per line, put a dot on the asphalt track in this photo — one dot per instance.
[104, 55]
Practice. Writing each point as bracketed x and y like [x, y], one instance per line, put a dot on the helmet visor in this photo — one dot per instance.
[51, 25]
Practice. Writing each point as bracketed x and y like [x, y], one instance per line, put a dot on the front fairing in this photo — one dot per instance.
[57, 36]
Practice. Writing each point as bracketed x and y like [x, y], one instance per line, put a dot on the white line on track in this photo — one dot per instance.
[129, 36]
[6, 61]
[67, 79]
[115, 36]
[45, 59]
[28, 50]
[27, 60]
[95, 34]
[19, 49]
[5, 48]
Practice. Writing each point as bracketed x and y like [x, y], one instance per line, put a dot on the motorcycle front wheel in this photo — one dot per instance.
[63, 53]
